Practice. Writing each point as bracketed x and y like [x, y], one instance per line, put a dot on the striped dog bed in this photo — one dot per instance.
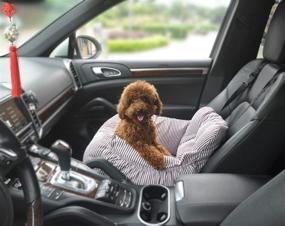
[191, 143]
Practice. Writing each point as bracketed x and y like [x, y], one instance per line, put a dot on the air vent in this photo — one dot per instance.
[75, 76]
[36, 119]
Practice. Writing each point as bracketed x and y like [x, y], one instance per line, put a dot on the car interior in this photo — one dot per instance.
[66, 99]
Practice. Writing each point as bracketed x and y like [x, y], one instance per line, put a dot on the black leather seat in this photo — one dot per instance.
[264, 207]
[257, 117]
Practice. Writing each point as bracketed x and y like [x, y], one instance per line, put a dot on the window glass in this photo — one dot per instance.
[260, 51]
[31, 18]
[158, 29]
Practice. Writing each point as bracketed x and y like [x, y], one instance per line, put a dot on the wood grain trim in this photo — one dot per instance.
[35, 213]
[46, 112]
[164, 72]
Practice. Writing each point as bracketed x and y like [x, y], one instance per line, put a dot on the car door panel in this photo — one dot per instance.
[177, 94]
[179, 83]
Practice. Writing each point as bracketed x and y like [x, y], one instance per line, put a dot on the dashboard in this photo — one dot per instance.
[48, 85]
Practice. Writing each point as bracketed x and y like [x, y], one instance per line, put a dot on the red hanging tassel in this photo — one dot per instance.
[11, 35]
[15, 74]
[8, 9]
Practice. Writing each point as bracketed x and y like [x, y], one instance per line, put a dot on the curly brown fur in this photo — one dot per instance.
[138, 103]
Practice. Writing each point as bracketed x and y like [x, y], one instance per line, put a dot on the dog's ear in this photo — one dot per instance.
[158, 105]
[123, 104]
[121, 108]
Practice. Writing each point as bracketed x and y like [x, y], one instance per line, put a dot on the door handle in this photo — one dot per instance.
[107, 72]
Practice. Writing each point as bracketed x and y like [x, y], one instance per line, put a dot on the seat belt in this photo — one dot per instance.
[246, 84]
[268, 84]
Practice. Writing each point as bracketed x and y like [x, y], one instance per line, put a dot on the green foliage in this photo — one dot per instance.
[217, 15]
[126, 9]
[205, 28]
[176, 31]
[135, 45]
[185, 11]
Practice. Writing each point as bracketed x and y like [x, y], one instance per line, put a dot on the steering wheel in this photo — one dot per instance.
[13, 157]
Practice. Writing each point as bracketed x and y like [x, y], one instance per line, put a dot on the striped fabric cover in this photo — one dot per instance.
[191, 143]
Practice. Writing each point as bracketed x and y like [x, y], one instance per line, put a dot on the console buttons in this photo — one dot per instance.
[128, 202]
[125, 198]
[47, 191]
[114, 193]
[56, 195]
[51, 193]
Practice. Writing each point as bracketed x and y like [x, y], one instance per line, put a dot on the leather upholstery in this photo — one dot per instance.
[264, 207]
[256, 130]
[256, 119]
[209, 198]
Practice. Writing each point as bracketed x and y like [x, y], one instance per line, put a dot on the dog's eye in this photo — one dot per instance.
[131, 101]
[145, 99]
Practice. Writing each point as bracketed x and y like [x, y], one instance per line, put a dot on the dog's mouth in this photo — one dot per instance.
[140, 117]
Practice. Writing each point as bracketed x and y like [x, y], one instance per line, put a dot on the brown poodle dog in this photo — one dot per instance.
[138, 103]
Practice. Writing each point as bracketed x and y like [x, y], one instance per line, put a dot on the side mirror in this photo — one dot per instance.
[88, 47]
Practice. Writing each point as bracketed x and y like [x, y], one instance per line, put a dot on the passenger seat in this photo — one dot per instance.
[256, 117]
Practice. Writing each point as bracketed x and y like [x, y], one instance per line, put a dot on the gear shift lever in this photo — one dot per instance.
[63, 152]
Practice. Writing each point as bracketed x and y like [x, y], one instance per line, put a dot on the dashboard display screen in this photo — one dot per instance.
[12, 115]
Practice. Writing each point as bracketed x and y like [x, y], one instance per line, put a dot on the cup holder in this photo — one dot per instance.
[154, 205]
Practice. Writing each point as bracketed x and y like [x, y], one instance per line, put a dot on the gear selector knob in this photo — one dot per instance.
[63, 152]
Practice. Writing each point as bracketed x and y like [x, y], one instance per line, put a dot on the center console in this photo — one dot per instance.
[62, 178]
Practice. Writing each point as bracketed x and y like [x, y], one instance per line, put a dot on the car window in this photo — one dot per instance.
[31, 18]
[260, 51]
[158, 29]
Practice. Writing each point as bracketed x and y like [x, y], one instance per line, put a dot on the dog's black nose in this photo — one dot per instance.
[140, 111]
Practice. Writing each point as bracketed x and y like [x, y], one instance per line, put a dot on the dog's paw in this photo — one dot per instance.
[163, 150]
[154, 157]
[166, 152]
[159, 167]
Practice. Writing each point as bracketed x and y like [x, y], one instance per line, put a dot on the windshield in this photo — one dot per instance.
[32, 18]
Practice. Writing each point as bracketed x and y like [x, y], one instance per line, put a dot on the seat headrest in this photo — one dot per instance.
[274, 46]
